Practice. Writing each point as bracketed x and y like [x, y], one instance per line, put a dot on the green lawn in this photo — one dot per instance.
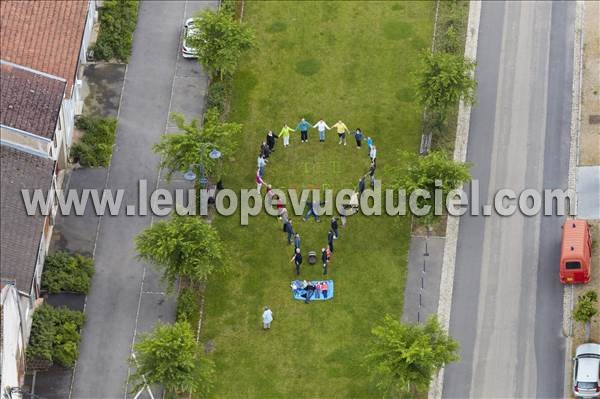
[336, 60]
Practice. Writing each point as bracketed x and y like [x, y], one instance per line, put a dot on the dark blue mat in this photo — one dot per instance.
[300, 294]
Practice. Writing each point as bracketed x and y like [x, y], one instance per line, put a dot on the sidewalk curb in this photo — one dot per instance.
[568, 291]
[460, 155]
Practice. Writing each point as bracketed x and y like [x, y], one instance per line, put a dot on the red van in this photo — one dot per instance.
[576, 252]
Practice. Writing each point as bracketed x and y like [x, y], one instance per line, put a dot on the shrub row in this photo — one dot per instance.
[118, 19]
[95, 147]
[218, 95]
[64, 272]
[188, 308]
[452, 25]
[232, 7]
[55, 335]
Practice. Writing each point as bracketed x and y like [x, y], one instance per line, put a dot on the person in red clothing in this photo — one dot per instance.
[259, 181]
[324, 288]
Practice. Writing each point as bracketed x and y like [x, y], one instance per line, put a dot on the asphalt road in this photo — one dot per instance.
[127, 297]
[507, 300]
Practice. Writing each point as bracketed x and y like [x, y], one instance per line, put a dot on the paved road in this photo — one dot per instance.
[507, 302]
[421, 293]
[127, 297]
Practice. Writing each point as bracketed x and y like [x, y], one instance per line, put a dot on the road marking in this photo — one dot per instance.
[158, 179]
[100, 217]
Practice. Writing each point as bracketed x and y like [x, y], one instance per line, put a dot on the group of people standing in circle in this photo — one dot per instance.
[268, 146]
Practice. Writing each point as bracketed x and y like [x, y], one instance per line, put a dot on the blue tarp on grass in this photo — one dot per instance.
[299, 294]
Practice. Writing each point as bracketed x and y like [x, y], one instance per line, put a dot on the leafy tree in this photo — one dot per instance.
[442, 80]
[422, 172]
[404, 357]
[220, 41]
[169, 356]
[182, 246]
[586, 307]
[195, 142]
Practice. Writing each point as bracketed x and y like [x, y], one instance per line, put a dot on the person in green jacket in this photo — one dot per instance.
[303, 127]
[285, 134]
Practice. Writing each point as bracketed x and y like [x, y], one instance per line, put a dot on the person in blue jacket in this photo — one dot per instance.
[303, 127]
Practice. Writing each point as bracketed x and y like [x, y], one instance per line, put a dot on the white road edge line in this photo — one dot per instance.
[460, 155]
[572, 183]
[158, 179]
[100, 217]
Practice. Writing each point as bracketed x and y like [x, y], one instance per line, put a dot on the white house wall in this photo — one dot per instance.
[13, 346]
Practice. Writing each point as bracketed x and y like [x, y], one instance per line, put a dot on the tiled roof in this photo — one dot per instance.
[20, 234]
[30, 101]
[43, 35]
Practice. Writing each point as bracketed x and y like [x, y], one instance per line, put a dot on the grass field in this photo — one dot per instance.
[333, 60]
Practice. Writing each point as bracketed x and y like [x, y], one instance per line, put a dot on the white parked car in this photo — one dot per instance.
[586, 371]
[188, 30]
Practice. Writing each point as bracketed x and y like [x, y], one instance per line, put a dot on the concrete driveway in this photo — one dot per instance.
[127, 297]
[507, 300]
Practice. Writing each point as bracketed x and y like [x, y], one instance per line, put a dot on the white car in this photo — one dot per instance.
[188, 30]
[586, 371]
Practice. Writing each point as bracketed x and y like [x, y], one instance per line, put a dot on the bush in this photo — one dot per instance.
[218, 93]
[586, 307]
[118, 19]
[55, 335]
[188, 308]
[95, 147]
[64, 272]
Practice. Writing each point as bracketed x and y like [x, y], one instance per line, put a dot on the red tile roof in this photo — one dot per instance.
[43, 35]
[30, 100]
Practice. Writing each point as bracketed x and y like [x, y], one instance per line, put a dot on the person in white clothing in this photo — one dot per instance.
[373, 153]
[321, 125]
[267, 317]
[262, 162]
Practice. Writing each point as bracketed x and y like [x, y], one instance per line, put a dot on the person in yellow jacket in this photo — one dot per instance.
[285, 134]
[341, 129]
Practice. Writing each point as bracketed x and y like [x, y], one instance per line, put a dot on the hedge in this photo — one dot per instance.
[64, 272]
[55, 335]
[118, 19]
[95, 147]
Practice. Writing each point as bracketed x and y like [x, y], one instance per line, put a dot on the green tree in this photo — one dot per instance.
[182, 246]
[434, 171]
[404, 357]
[194, 142]
[442, 80]
[220, 41]
[586, 307]
[169, 356]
